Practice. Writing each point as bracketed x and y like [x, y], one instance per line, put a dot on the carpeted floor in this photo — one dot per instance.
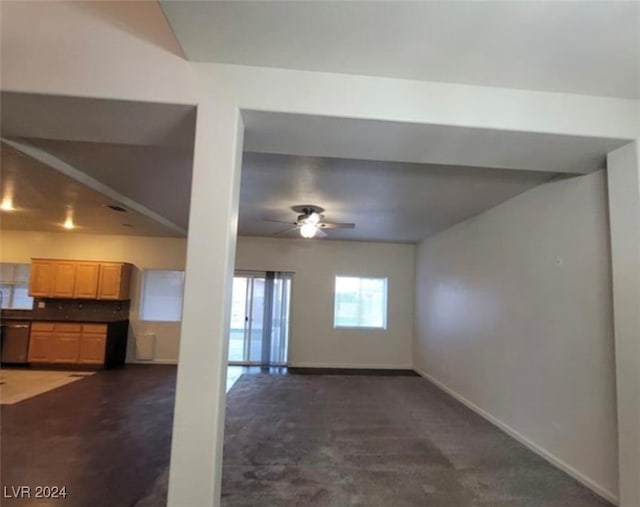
[323, 440]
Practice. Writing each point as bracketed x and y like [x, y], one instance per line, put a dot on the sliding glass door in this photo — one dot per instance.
[260, 318]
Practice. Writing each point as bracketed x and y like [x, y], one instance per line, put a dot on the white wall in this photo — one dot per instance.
[623, 171]
[315, 263]
[514, 315]
[142, 252]
[314, 341]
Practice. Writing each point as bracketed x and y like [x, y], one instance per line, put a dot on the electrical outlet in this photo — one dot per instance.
[42, 304]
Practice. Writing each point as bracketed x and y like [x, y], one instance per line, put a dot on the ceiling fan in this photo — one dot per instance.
[310, 222]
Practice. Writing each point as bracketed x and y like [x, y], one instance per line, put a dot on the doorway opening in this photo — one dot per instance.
[259, 330]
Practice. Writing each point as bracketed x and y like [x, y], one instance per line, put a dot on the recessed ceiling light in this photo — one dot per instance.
[117, 208]
[7, 204]
[68, 222]
[7, 196]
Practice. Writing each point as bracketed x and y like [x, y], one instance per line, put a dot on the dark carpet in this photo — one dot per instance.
[320, 440]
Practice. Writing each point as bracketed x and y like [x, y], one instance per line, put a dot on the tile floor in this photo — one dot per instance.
[17, 385]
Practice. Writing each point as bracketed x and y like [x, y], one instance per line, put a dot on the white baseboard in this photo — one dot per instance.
[303, 365]
[352, 366]
[548, 456]
[155, 361]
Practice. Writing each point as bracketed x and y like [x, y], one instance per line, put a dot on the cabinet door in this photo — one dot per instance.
[64, 279]
[93, 344]
[66, 346]
[40, 346]
[41, 278]
[110, 281]
[86, 284]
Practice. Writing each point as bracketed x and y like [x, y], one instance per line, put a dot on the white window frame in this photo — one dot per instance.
[141, 315]
[13, 282]
[385, 315]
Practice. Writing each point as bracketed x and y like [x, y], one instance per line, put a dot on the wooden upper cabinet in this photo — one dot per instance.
[80, 279]
[115, 278]
[64, 279]
[41, 278]
[86, 285]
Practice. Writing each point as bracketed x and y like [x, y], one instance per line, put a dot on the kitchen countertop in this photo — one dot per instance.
[74, 320]
[11, 314]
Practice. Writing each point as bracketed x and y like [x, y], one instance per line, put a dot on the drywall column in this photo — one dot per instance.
[623, 169]
[198, 425]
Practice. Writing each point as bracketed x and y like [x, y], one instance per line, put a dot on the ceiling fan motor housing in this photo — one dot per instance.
[304, 218]
[307, 209]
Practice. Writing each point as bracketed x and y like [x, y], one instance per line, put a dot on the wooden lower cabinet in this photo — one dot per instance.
[66, 345]
[93, 344]
[40, 346]
[78, 343]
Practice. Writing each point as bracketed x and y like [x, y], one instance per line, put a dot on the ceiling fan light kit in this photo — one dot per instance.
[308, 230]
[310, 222]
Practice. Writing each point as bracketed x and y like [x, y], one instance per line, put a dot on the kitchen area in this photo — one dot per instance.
[94, 201]
[62, 313]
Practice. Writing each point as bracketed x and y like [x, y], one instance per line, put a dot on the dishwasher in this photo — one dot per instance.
[15, 342]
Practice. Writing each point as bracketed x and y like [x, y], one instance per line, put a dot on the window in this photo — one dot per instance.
[14, 286]
[162, 295]
[360, 302]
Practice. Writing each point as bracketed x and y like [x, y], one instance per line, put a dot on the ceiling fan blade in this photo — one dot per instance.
[320, 234]
[331, 225]
[286, 231]
[277, 221]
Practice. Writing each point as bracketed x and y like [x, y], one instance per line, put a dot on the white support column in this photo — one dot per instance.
[198, 426]
[623, 169]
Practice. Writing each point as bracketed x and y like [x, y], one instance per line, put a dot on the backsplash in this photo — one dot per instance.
[74, 309]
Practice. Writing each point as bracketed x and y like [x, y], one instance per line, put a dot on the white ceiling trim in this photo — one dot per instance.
[88, 181]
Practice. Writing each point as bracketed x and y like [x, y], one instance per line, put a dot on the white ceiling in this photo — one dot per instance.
[158, 177]
[43, 197]
[584, 47]
[387, 201]
[96, 120]
[137, 154]
[296, 134]
[397, 182]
